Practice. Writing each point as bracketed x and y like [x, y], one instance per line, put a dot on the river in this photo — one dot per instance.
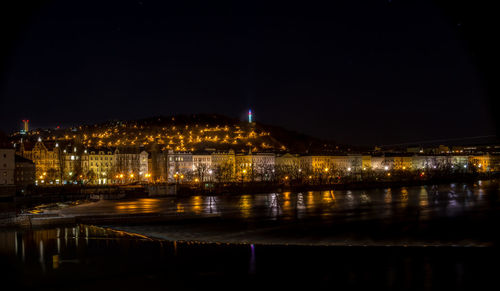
[417, 238]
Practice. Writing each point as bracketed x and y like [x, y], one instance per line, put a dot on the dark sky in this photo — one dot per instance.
[362, 72]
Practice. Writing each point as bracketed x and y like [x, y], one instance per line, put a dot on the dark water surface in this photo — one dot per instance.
[448, 214]
[88, 257]
[417, 238]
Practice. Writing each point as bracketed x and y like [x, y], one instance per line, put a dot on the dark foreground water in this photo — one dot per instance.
[417, 238]
[92, 258]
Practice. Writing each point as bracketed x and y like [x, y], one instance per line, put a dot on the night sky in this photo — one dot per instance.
[361, 72]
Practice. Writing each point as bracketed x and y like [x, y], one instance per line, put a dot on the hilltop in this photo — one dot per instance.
[188, 133]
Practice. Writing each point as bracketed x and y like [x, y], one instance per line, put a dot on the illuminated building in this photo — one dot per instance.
[402, 162]
[224, 165]
[334, 164]
[460, 161]
[144, 162]
[366, 162]
[180, 164]
[289, 164]
[255, 166]
[495, 163]
[128, 162]
[318, 163]
[381, 163]
[48, 160]
[288, 161]
[202, 166]
[98, 165]
[481, 163]
[71, 164]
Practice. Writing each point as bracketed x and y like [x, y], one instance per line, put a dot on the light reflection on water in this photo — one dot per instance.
[84, 250]
[448, 200]
[143, 205]
[365, 199]
[423, 197]
[245, 205]
[404, 197]
[350, 199]
[287, 207]
[388, 196]
[196, 204]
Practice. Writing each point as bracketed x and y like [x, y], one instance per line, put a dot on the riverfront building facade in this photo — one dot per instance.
[57, 164]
